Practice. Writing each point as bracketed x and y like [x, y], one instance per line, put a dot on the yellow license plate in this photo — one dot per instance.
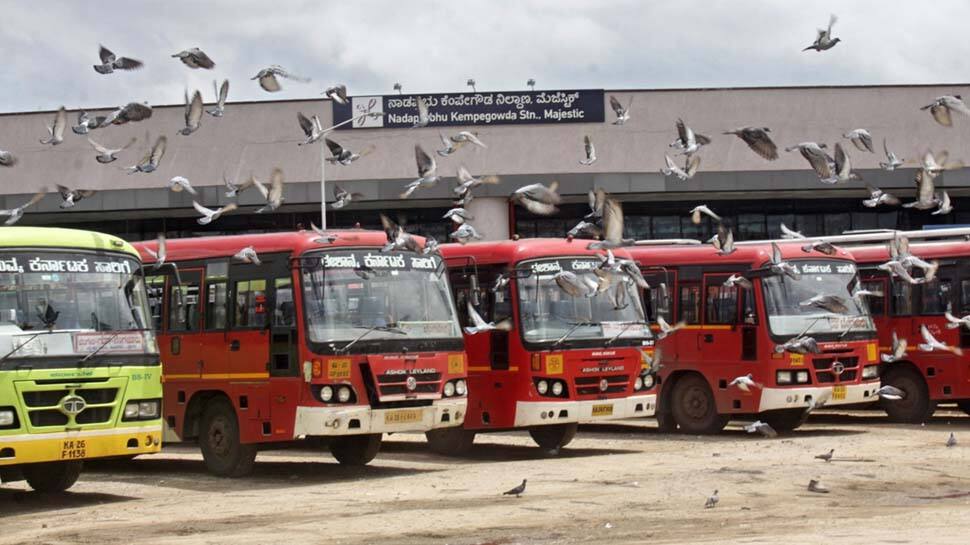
[338, 368]
[838, 392]
[602, 410]
[403, 416]
[554, 364]
[456, 364]
[74, 449]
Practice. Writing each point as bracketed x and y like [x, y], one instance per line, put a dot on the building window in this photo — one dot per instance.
[836, 224]
[751, 227]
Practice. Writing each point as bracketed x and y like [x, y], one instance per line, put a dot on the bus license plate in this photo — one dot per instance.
[74, 449]
[838, 392]
[602, 410]
[403, 416]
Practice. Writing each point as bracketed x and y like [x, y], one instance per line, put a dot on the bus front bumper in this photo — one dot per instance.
[79, 445]
[540, 413]
[329, 421]
[798, 398]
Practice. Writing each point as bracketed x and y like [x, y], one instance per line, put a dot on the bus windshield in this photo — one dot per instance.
[549, 314]
[820, 302]
[387, 295]
[59, 303]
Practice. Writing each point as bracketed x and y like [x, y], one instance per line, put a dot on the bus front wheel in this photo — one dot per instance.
[356, 450]
[223, 452]
[450, 441]
[52, 476]
[694, 408]
[554, 436]
[916, 406]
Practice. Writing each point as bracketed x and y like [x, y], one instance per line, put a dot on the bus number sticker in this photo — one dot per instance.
[456, 364]
[338, 368]
[73, 449]
[838, 392]
[796, 360]
[554, 364]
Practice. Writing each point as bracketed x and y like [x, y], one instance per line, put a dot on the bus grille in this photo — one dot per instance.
[591, 385]
[825, 375]
[43, 406]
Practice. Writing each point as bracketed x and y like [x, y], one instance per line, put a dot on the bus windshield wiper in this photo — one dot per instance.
[25, 343]
[575, 326]
[385, 328]
[626, 326]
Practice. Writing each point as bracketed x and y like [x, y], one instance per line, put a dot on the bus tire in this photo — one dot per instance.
[554, 436]
[222, 451]
[450, 441]
[666, 422]
[964, 406]
[356, 450]
[693, 407]
[52, 476]
[785, 420]
[916, 407]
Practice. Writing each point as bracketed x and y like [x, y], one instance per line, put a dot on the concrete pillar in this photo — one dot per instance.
[491, 217]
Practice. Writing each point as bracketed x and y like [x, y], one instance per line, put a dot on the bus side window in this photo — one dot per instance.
[964, 296]
[250, 304]
[935, 296]
[183, 302]
[217, 296]
[749, 308]
[155, 286]
[877, 303]
[690, 303]
[721, 302]
[285, 313]
[902, 302]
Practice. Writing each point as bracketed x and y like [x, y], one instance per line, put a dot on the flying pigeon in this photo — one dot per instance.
[666, 329]
[423, 118]
[195, 58]
[427, 172]
[944, 206]
[861, 139]
[193, 113]
[449, 146]
[7, 159]
[744, 383]
[537, 198]
[159, 255]
[311, 128]
[467, 182]
[697, 212]
[942, 107]
[843, 168]
[337, 93]
[55, 132]
[758, 140]
[133, 111]
[613, 227]
[479, 324]
[86, 123]
[878, 197]
[268, 78]
[821, 246]
[953, 322]
[107, 155]
[815, 155]
[468, 137]
[397, 237]
[686, 173]
[180, 183]
[590, 152]
[787, 233]
[799, 345]
[465, 233]
[892, 162]
[824, 39]
[723, 240]
[779, 266]
[14, 214]
[576, 285]
[110, 62]
[687, 140]
[762, 428]
[898, 350]
[891, 393]
[829, 302]
[247, 255]
[71, 197]
[209, 215]
[738, 280]
[622, 112]
[458, 215]
[222, 93]
[274, 196]
[342, 197]
[151, 159]
[342, 155]
[930, 343]
[517, 491]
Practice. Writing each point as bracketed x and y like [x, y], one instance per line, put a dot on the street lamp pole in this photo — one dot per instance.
[323, 163]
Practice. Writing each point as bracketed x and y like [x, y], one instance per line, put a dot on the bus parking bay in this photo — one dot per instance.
[617, 482]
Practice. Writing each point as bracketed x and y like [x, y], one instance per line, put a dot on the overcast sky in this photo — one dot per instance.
[435, 46]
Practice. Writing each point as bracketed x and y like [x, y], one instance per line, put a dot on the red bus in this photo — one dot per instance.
[322, 337]
[566, 360]
[926, 377]
[769, 327]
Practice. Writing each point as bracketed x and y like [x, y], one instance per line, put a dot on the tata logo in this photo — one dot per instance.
[72, 405]
[838, 368]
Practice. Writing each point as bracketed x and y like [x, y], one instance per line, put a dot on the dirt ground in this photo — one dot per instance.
[622, 483]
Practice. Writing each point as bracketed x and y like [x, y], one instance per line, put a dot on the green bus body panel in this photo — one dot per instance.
[65, 239]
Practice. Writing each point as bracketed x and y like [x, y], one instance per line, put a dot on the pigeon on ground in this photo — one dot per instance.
[274, 195]
[193, 113]
[479, 324]
[815, 486]
[824, 40]
[247, 255]
[268, 78]
[758, 140]
[107, 155]
[209, 215]
[622, 112]
[861, 139]
[690, 167]
[537, 198]
[878, 197]
[195, 58]
[337, 93]
[761, 427]
[343, 197]
[427, 172]
[951, 441]
[14, 214]
[517, 491]
[744, 383]
[311, 128]
[180, 183]
[70, 197]
[827, 457]
[131, 112]
[687, 140]
[889, 392]
[898, 350]
[590, 152]
[465, 233]
[7, 159]
[110, 62]
[151, 159]
[712, 501]
[942, 107]
[697, 212]
[892, 162]
[55, 132]
[222, 93]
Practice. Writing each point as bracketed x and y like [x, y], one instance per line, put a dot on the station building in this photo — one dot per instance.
[531, 136]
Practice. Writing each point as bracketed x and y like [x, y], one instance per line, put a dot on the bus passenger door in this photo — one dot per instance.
[247, 346]
[285, 380]
[879, 283]
[182, 351]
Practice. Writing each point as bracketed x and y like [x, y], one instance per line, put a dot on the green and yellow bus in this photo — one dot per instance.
[80, 376]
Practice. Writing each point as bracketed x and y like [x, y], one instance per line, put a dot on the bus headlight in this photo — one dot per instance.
[801, 377]
[557, 388]
[783, 377]
[343, 394]
[638, 384]
[461, 388]
[542, 387]
[7, 418]
[449, 389]
[648, 381]
[148, 409]
[870, 372]
[326, 394]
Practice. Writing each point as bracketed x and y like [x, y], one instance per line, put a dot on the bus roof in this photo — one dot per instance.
[293, 242]
[750, 255]
[514, 251]
[879, 253]
[55, 237]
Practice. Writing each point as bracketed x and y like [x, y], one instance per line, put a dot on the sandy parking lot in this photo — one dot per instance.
[615, 484]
